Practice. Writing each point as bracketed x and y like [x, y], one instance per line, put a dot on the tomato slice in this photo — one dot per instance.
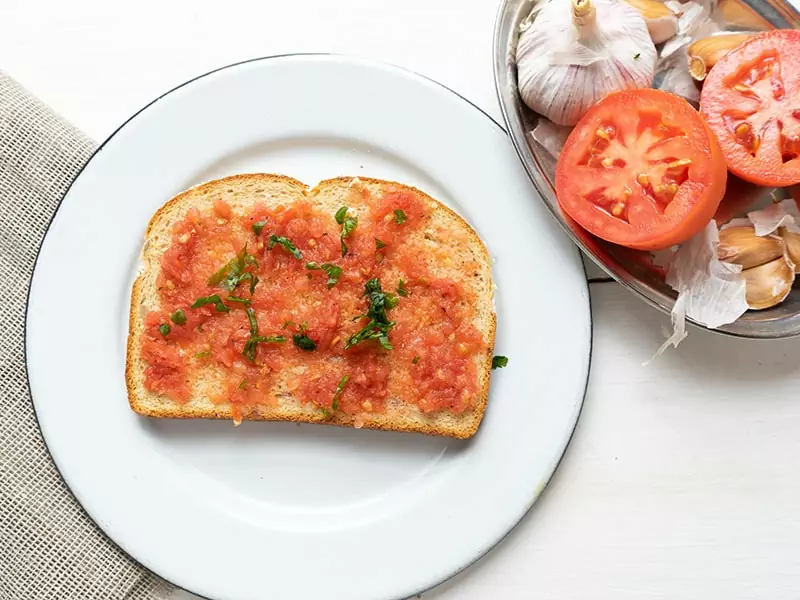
[641, 169]
[751, 100]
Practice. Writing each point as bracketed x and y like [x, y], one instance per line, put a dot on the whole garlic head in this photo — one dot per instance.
[578, 51]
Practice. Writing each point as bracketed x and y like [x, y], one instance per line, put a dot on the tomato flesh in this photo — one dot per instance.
[435, 340]
[641, 169]
[751, 100]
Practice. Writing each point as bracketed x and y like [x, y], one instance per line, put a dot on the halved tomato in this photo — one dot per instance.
[751, 100]
[641, 169]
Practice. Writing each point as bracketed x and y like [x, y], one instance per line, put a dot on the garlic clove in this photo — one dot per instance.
[661, 22]
[704, 53]
[768, 284]
[792, 247]
[741, 246]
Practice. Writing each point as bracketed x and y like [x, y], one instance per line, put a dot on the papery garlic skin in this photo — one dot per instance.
[661, 22]
[710, 291]
[576, 52]
[550, 137]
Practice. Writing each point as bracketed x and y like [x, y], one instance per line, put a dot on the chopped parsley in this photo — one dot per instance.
[401, 288]
[251, 345]
[348, 225]
[379, 244]
[338, 393]
[498, 362]
[251, 318]
[203, 354]
[233, 273]
[243, 384]
[333, 272]
[302, 341]
[258, 227]
[379, 324]
[164, 329]
[178, 317]
[245, 301]
[415, 360]
[215, 300]
[286, 243]
[400, 217]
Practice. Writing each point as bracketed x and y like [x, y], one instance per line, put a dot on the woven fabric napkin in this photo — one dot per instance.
[49, 548]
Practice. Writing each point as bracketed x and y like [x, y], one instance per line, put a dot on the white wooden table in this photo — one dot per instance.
[682, 480]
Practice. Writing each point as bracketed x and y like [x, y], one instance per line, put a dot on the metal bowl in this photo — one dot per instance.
[625, 265]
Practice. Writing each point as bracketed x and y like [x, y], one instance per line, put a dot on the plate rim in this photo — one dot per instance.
[353, 59]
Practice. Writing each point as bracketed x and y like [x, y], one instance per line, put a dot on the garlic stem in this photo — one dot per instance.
[583, 14]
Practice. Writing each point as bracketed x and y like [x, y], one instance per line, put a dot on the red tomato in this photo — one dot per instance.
[751, 100]
[641, 169]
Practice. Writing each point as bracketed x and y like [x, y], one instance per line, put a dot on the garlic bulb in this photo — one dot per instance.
[578, 51]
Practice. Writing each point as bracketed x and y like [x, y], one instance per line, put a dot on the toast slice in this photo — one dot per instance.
[444, 244]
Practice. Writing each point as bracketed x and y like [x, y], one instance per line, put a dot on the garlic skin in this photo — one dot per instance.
[710, 291]
[576, 52]
[662, 23]
[550, 137]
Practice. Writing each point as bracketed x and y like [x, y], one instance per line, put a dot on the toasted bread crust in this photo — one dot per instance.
[396, 417]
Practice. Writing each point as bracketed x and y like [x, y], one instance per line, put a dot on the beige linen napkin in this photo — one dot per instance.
[49, 548]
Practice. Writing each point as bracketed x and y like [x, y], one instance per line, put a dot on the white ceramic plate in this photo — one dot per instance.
[276, 510]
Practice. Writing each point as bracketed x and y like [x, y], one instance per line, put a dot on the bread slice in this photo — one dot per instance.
[461, 245]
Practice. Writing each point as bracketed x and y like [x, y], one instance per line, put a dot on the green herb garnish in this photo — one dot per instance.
[379, 244]
[379, 324]
[178, 317]
[243, 384]
[215, 300]
[348, 225]
[333, 272]
[401, 288]
[400, 217]
[203, 354]
[498, 362]
[251, 317]
[233, 273]
[245, 301]
[286, 243]
[251, 345]
[338, 393]
[164, 329]
[302, 341]
[415, 360]
[258, 227]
